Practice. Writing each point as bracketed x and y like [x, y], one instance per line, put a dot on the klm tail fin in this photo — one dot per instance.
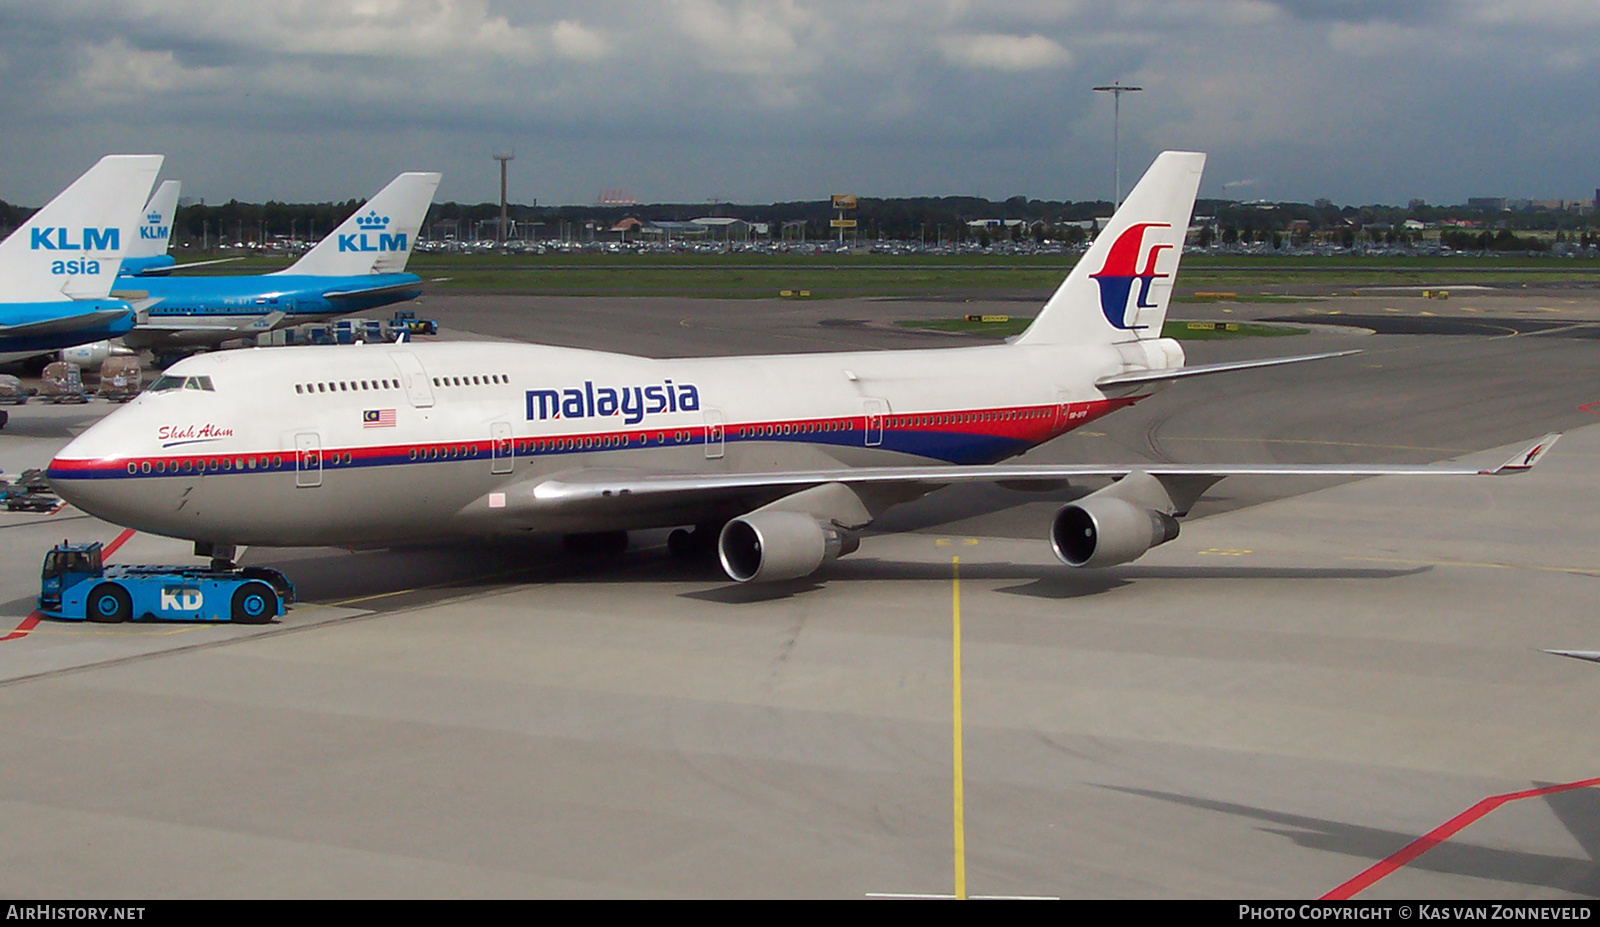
[155, 223]
[72, 247]
[379, 237]
[1118, 291]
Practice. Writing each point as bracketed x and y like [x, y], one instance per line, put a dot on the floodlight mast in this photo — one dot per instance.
[1116, 89]
[503, 157]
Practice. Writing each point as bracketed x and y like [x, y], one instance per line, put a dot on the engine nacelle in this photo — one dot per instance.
[91, 356]
[766, 547]
[1102, 531]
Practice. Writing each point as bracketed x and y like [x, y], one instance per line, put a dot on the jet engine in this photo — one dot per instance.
[774, 545]
[91, 356]
[1102, 531]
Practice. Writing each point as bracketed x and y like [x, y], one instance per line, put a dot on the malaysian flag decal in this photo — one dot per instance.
[377, 418]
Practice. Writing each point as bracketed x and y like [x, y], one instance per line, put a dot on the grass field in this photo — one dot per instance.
[746, 275]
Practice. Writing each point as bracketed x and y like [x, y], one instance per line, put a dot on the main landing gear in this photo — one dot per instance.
[693, 545]
[598, 544]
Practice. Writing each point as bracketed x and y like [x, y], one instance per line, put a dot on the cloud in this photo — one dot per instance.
[574, 41]
[774, 99]
[1004, 52]
[753, 38]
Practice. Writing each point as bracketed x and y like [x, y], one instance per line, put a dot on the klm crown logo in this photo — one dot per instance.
[372, 236]
[153, 229]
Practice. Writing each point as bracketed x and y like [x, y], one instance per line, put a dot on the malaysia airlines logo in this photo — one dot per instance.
[372, 236]
[1122, 268]
[633, 403]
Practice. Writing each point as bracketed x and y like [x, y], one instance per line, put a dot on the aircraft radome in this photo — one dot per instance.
[778, 461]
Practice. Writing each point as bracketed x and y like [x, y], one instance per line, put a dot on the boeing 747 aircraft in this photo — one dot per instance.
[56, 271]
[359, 266]
[777, 461]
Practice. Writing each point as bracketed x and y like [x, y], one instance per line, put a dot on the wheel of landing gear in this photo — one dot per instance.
[108, 604]
[685, 544]
[255, 603]
[597, 544]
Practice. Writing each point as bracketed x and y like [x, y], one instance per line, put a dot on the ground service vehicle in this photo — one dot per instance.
[30, 493]
[77, 585]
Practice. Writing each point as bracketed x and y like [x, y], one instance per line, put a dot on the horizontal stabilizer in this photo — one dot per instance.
[1200, 370]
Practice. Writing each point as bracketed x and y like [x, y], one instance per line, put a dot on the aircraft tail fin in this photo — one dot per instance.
[72, 247]
[1119, 290]
[155, 223]
[379, 237]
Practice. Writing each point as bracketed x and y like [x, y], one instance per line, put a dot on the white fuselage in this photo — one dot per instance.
[377, 443]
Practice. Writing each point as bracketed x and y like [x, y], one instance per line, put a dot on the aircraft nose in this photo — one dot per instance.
[72, 479]
[85, 473]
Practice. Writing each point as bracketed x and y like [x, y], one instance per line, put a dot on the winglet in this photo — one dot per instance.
[1525, 459]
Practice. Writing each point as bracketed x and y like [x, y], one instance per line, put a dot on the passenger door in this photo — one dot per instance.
[713, 434]
[307, 460]
[876, 409]
[414, 379]
[501, 447]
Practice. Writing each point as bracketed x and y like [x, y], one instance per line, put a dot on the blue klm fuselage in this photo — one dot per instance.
[139, 266]
[301, 298]
[50, 326]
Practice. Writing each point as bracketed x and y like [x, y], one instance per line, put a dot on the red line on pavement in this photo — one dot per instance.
[117, 542]
[1439, 835]
[27, 625]
[32, 621]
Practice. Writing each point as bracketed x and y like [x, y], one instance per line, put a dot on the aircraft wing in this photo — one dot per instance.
[364, 292]
[597, 491]
[63, 325]
[200, 323]
[190, 264]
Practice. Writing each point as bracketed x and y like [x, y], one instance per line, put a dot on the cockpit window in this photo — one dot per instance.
[167, 382]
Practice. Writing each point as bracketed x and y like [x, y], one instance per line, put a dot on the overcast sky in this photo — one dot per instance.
[1361, 101]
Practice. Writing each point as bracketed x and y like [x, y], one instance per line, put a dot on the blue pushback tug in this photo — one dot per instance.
[77, 585]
